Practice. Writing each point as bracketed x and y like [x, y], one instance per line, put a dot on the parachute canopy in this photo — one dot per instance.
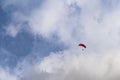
[83, 45]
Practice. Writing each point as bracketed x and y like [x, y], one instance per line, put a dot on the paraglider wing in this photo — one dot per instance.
[83, 45]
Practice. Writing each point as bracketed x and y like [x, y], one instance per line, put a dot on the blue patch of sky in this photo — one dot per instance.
[19, 46]
[74, 9]
[3, 17]
[24, 8]
[25, 44]
[7, 59]
[110, 4]
[43, 47]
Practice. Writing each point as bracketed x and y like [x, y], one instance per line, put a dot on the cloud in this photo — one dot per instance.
[12, 31]
[103, 24]
[44, 20]
[70, 64]
[5, 74]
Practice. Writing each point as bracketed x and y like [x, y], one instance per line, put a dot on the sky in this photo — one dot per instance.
[39, 39]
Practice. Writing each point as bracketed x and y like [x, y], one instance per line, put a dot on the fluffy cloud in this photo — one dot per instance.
[5, 74]
[71, 64]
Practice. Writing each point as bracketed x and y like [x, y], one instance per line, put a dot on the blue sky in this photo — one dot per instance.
[24, 43]
[39, 39]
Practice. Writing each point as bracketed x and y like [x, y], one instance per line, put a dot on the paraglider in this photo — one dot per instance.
[82, 45]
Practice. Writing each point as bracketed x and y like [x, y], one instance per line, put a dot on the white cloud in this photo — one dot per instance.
[16, 25]
[102, 24]
[71, 65]
[45, 20]
[17, 3]
[12, 31]
[6, 75]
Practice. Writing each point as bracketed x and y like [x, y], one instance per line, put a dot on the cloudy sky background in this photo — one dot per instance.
[39, 40]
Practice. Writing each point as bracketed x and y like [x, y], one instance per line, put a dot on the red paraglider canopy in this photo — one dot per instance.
[83, 45]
